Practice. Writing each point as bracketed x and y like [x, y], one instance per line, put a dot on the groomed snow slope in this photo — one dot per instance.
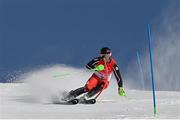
[17, 102]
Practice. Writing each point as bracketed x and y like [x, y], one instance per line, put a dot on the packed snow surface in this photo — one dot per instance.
[32, 98]
[17, 102]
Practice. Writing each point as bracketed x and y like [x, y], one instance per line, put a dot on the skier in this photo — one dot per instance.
[103, 67]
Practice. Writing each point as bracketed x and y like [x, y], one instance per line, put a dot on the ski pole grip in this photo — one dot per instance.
[99, 67]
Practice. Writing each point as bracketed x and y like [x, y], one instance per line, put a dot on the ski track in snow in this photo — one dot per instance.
[17, 102]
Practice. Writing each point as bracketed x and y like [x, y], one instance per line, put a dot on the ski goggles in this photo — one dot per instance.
[107, 55]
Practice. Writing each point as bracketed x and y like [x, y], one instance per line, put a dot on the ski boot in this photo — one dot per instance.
[74, 93]
[87, 98]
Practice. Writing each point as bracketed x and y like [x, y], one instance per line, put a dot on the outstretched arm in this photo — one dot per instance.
[117, 74]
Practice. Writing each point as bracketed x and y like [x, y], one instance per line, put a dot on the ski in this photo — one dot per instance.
[90, 101]
[73, 101]
[67, 102]
[68, 99]
[76, 101]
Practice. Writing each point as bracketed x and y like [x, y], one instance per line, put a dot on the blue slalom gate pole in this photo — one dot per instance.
[141, 70]
[151, 63]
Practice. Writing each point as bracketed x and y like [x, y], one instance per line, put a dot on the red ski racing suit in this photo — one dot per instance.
[103, 76]
[100, 79]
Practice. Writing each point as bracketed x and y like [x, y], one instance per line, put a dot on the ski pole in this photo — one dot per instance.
[61, 75]
[98, 68]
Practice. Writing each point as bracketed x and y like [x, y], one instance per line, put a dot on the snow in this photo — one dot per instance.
[16, 102]
[32, 98]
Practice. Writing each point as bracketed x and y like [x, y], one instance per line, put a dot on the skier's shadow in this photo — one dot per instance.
[62, 103]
